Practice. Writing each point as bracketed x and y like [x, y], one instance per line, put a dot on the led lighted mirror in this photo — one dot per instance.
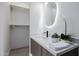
[50, 13]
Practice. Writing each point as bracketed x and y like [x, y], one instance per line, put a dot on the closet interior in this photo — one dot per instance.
[19, 27]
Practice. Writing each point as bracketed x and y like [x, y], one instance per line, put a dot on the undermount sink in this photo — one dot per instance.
[56, 43]
[54, 40]
[59, 45]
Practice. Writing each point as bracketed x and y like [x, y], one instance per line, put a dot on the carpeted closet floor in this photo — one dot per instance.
[19, 52]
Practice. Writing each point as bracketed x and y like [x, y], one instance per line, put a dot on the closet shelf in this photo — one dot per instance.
[13, 5]
[19, 25]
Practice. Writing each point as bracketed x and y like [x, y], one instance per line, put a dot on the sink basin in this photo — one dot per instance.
[56, 43]
[59, 45]
[54, 40]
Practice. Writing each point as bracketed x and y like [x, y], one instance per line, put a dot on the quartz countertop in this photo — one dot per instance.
[44, 43]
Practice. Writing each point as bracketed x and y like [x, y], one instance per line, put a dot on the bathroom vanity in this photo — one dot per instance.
[40, 47]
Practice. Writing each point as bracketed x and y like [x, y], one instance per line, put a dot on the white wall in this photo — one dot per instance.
[36, 18]
[4, 28]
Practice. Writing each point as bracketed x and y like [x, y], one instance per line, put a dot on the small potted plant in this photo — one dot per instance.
[65, 37]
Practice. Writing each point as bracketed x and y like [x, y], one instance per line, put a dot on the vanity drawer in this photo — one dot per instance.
[73, 52]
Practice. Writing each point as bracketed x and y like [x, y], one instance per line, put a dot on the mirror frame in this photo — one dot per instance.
[55, 17]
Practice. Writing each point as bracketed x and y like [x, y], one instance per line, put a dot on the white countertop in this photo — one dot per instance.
[44, 43]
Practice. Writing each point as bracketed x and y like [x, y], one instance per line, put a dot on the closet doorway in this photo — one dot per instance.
[19, 30]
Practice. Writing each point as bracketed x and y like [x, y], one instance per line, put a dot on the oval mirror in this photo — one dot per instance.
[50, 13]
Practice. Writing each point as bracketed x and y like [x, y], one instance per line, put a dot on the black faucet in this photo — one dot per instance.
[46, 33]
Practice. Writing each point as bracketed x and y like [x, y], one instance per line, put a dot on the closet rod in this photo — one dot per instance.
[19, 25]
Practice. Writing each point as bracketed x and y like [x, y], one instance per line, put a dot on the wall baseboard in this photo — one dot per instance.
[19, 48]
